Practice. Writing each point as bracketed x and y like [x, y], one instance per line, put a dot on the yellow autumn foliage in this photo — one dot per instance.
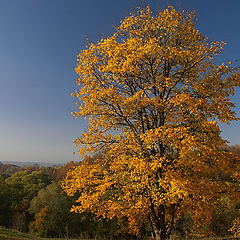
[154, 96]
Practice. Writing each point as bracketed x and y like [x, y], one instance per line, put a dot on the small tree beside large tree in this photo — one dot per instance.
[154, 96]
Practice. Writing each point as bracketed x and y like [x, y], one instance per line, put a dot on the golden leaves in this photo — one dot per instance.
[153, 95]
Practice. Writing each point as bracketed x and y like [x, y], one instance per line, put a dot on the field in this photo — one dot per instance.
[9, 234]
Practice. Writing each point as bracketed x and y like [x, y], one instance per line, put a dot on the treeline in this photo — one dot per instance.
[32, 200]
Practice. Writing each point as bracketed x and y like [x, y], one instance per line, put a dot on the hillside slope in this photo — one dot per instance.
[9, 234]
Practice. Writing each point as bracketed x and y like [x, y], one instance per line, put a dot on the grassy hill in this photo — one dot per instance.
[9, 234]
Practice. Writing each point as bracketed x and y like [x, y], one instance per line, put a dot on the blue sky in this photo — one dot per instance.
[39, 41]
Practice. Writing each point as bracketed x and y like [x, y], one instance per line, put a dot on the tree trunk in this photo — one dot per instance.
[157, 234]
[158, 228]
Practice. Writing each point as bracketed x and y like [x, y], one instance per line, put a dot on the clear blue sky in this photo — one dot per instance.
[39, 41]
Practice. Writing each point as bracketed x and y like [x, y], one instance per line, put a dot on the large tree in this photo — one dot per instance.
[154, 96]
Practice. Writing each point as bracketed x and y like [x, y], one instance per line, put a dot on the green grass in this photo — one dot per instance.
[10, 234]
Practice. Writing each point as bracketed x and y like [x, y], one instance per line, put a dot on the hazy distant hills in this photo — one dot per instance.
[36, 164]
[7, 170]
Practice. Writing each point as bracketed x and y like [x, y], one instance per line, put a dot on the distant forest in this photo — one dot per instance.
[32, 200]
